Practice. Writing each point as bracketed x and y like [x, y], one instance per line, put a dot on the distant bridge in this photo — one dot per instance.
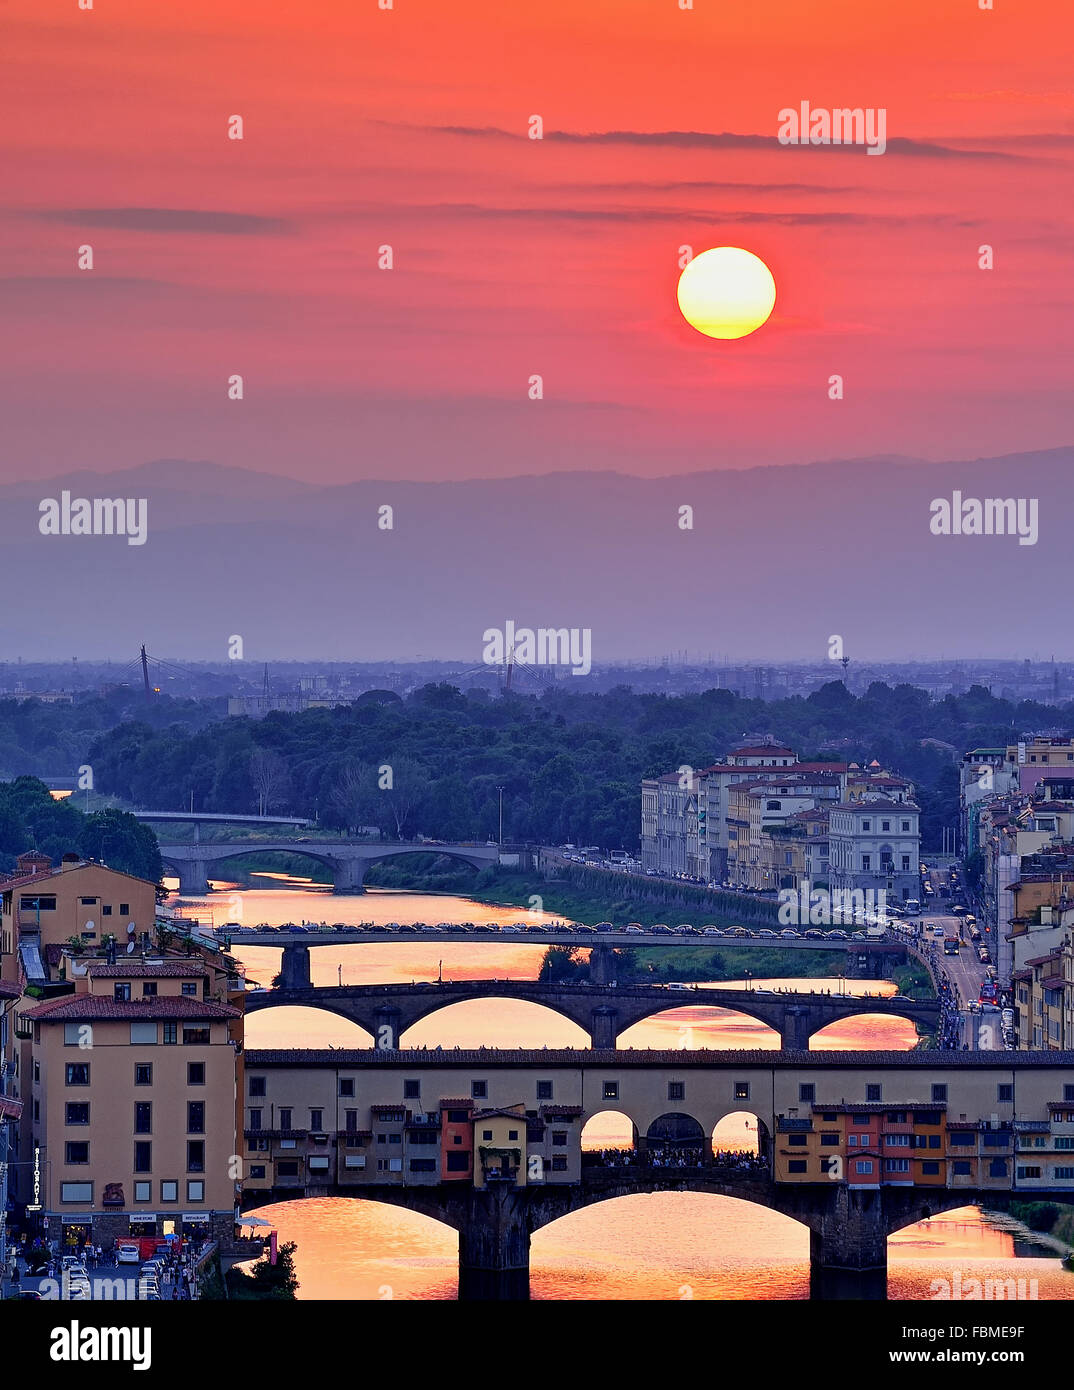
[347, 859]
[387, 1011]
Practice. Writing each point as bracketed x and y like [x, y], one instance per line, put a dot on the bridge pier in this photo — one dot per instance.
[348, 876]
[387, 1028]
[603, 1026]
[602, 965]
[295, 968]
[848, 1254]
[798, 1027]
[494, 1246]
[193, 878]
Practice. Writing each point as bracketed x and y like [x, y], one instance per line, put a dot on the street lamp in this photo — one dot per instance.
[500, 840]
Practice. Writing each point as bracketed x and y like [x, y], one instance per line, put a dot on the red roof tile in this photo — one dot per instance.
[99, 1006]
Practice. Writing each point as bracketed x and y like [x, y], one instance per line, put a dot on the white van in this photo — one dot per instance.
[128, 1253]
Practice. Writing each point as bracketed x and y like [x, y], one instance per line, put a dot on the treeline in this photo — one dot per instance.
[31, 819]
[569, 765]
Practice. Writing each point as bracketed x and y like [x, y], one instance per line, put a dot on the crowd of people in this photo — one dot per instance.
[678, 1156]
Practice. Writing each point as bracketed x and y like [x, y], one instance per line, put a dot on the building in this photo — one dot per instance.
[500, 1146]
[756, 807]
[1044, 992]
[875, 845]
[133, 1109]
[670, 836]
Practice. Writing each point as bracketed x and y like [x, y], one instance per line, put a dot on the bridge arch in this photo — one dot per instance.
[887, 1032]
[574, 1024]
[609, 1132]
[312, 1021]
[685, 1029]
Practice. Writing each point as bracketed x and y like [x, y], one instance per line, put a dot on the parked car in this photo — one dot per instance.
[766, 931]
[634, 930]
[790, 934]
[712, 931]
[127, 1253]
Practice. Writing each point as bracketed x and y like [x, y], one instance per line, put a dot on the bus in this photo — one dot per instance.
[912, 906]
[951, 945]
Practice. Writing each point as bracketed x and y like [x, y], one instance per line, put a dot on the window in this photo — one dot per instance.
[797, 1165]
[346, 1086]
[458, 1117]
[676, 1090]
[143, 1033]
[929, 1168]
[611, 1090]
[255, 1119]
[189, 988]
[885, 825]
[351, 1121]
[1005, 1092]
[87, 902]
[195, 1073]
[1064, 1172]
[479, 1090]
[257, 1170]
[256, 1086]
[867, 825]
[829, 1138]
[195, 1190]
[960, 1139]
[149, 989]
[124, 909]
[143, 1073]
[458, 1163]
[512, 1134]
[486, 1134]
[859, 1120]
[559, 1163]
[896, 1165]
[285, 1118]
[412, 1090]
[863, 1166]
[76, 1152]
[1068, 1092]
[963, 1168]
[807, 1092]
[559, 1139]
[928, 1117]
[874, 1093]
[906, 831]
[76, 1112]
[195, 1117]
[72, 1034]
[287, 1168]
[997, 1168]
[194, 1035]
[742, 1090]
[76, 1192]
[143, 1191]
[423, 1165]
[905, 863]
[169, 1032]
[122, 990]
[1062, 1142]
[798, 1140]
[1028, 1172]
[106, 909]
[39, 904]
[866, 861]
[143, 1156]
[939, 1093]
[77, 1073]
[143, 1117]
[195, 1156]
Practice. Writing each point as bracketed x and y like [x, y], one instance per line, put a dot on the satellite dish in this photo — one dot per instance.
[90, 925]
[130, 947]
[130, 928]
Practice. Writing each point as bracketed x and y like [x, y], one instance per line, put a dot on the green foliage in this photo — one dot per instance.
[266, 1281]
[31, 819]
[561, 963]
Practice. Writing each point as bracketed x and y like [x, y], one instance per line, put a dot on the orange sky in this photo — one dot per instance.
[513, 256]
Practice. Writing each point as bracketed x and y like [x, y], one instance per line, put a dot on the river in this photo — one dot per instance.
[650, 1246]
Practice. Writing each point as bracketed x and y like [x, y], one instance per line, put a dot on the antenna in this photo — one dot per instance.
[145, 673]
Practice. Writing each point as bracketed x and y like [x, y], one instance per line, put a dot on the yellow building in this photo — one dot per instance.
[134, 1104]
[500, 1146]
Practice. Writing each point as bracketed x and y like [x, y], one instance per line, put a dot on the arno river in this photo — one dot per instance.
[653, 1246]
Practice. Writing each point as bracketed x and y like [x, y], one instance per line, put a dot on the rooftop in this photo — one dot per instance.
[73, 1007]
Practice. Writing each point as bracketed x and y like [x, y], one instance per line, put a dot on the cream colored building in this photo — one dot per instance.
[133, 1104]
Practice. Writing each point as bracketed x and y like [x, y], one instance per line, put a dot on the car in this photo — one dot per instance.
[813, 933]
[305, 931]
[127, 1253]
[712, 931]
[510, 929]
[676, 984]
[426, 927]
[634, 930]
[31, 1294]
[789, 934]
[605, 926]
[650, 873]
[484, 927]
[839, 934]
[767, 931]
[406, 927]
[590, 930]
[660, 930]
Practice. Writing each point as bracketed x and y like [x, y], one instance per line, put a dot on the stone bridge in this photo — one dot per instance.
[848, 1228]
[348, 860]
[602, 1011]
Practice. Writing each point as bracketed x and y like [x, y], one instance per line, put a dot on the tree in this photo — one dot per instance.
[270, 778]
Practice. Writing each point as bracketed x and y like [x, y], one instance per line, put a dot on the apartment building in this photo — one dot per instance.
[756, 807]
[133, 1105]
[875, 845]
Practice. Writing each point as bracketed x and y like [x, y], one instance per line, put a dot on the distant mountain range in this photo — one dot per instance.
[778, 560]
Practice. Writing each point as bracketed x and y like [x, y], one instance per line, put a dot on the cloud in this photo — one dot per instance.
[168, 220]
[710, 140]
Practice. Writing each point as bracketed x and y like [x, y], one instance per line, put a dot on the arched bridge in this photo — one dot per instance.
[347, 860]
[604, 1012]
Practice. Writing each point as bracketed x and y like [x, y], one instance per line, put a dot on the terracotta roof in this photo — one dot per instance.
[99, 1006]
[9, 990]
[463, 1103]
[133, 971]
[768, 750]
[10, 1109]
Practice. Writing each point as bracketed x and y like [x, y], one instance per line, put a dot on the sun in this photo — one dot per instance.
[726, 292]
